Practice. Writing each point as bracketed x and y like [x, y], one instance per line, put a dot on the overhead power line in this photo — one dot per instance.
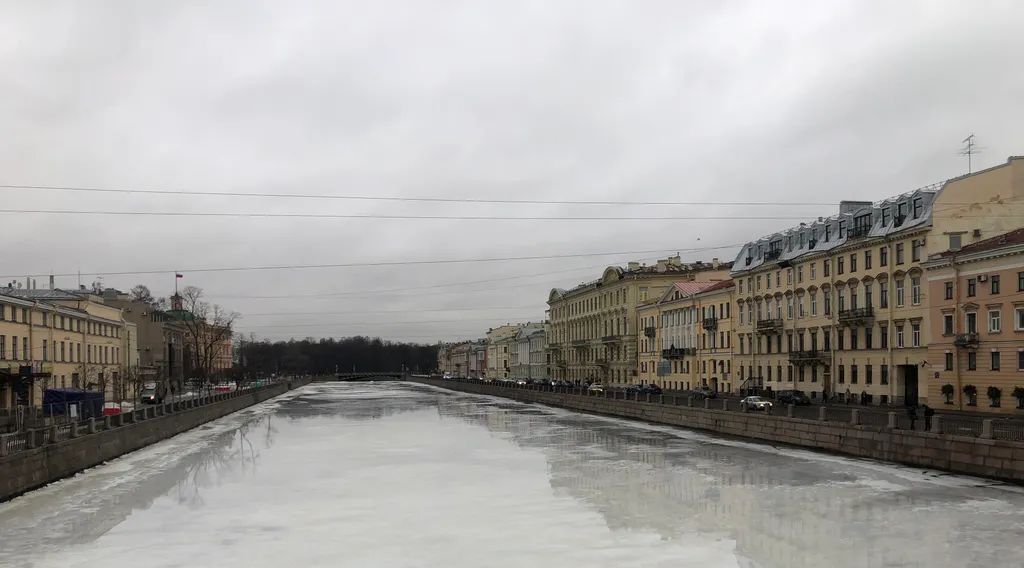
[366, 264]
[258, 215]
[413, 311]
[395, 198]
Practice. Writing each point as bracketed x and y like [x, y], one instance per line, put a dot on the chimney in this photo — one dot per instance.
[51, 282]
[633, 266]
[662, 266]
[714, 263]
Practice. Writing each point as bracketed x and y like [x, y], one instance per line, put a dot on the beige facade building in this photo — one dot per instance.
[594, 334]
[55, 338]
[977, 325]
[838, 305]
[688, 337]
[500, 343]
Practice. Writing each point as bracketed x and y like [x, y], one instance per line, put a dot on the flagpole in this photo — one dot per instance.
[175, 282]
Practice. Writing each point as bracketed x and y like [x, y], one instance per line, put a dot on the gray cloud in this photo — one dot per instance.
[650, 101]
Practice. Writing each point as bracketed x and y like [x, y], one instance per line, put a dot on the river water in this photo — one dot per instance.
[403, 475]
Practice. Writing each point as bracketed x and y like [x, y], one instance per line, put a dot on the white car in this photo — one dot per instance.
[595, 388]
[755, 403]
[447, 376]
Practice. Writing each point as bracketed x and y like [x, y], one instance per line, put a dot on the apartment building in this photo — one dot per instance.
[159, 338]
[977, 325]
[54, 338]
[594, 325]
[688, 337]
[500, 342]
[528, 357]
[838, 306]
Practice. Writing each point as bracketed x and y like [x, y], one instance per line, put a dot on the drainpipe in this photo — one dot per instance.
[956, 326]
[889, 328]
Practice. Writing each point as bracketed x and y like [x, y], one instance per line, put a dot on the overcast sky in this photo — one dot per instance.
[638, 101]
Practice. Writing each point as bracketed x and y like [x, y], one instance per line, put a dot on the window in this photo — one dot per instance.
[867, 294]
[839, 265]
[915, 335]
[14, 348]
[814, 305]
[972, 287]
[972, 361]
[883, 289]
[842, 374]
[899, 293]
[45, 354]
[995, 361]
[899, 337]
[994, 323]
[868, 375]
[1019, 323]
[778, 279]
[789, 276]
[800, 274]
[867, 263]
[853, 338]
[915, 250]
[883, 256]
[949, 290]
[1020, 360]
[814, 271]
[954, 241]
[885, 216]
[789, 307]
[947, 324]
[899, 253]
[759, 282]
[917, 207]
[841, 296]
[853, 262]
[1020, 281]
[885, 374]
[949, 362]
[853, 374]
[972, 322]
[868, 338]
[824, 268]
[828, 303]
[915, 290]
[839, 340]
[993, 284]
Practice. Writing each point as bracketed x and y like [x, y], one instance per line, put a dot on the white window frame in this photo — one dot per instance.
[995, 317]
[915, 334]
[1018, 320]
[899, 337]
[915, 291]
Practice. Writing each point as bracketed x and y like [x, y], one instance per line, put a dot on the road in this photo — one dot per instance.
[394, 474]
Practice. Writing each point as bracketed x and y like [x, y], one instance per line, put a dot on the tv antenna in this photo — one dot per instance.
[969, 150]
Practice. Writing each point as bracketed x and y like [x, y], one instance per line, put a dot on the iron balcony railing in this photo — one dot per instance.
[602, 362]
[856, 314]
[579, 342]
[673, 353]
[966, 340]
[810, 356]
[650, 332]
[710, 323]
[610, 339]
[769, 326]
[773, 254]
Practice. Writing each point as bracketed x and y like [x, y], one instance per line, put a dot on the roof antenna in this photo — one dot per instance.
[969, 150]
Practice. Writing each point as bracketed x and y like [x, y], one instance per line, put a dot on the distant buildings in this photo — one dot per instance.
[918, 297]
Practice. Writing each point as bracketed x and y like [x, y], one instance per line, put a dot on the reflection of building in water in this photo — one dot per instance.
[230, 454]
[779, 509]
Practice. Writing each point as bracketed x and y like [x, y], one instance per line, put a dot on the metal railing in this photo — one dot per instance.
[966, 340]
[960, 425]
[858, 232]
[650, 332]
[856, 314]
[769, 325]
[811, 356]
[710, 323]
[673, 353]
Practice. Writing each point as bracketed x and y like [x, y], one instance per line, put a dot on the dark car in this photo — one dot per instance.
[794, 397]
[150, 396]
[705, 392]
[651, 389]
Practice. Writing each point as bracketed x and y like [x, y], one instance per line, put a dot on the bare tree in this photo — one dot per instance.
[208, 331]
[141, 293]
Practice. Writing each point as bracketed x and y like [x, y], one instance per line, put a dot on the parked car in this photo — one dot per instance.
[651, 389]
[447, 376]
[795, 397]
[596, 387]
[755, 403]
[705, 392]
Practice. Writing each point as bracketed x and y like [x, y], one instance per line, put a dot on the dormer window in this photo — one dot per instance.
[828, 233]
[842, 229]
[901, 213]
[918, 206]
[885, 216]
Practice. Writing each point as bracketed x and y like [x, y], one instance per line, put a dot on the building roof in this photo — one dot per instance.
[719, 285]
[1013, 238]
[636, 270]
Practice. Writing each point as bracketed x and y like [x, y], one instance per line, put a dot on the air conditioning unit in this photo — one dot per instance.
[982, 278]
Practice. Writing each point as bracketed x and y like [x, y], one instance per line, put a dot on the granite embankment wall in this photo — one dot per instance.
[46, 456]
[999, 459]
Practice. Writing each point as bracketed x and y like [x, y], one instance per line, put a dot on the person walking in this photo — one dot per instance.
[912, 414]
[928, 413]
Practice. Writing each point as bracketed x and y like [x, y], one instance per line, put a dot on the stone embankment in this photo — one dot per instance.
[981, 456]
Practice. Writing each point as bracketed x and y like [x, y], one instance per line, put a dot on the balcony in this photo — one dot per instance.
[554, 348]
[769, 326]
[650, 332]
[773, 254]
[676, 352]
[858, 232]
[611, 339]
[602, 362]
[966, 340]
[856, 316]
[579, 343]
[710, 324]
[812, 357]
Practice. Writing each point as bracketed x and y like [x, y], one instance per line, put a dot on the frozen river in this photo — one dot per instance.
[400, 475]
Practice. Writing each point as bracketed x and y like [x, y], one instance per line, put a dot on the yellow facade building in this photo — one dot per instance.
[594, 326]
[838, 307]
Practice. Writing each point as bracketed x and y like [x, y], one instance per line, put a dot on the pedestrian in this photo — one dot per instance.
[928, 413]
[863, 397]
[912, 414]
[847, 395]
[824, 396]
